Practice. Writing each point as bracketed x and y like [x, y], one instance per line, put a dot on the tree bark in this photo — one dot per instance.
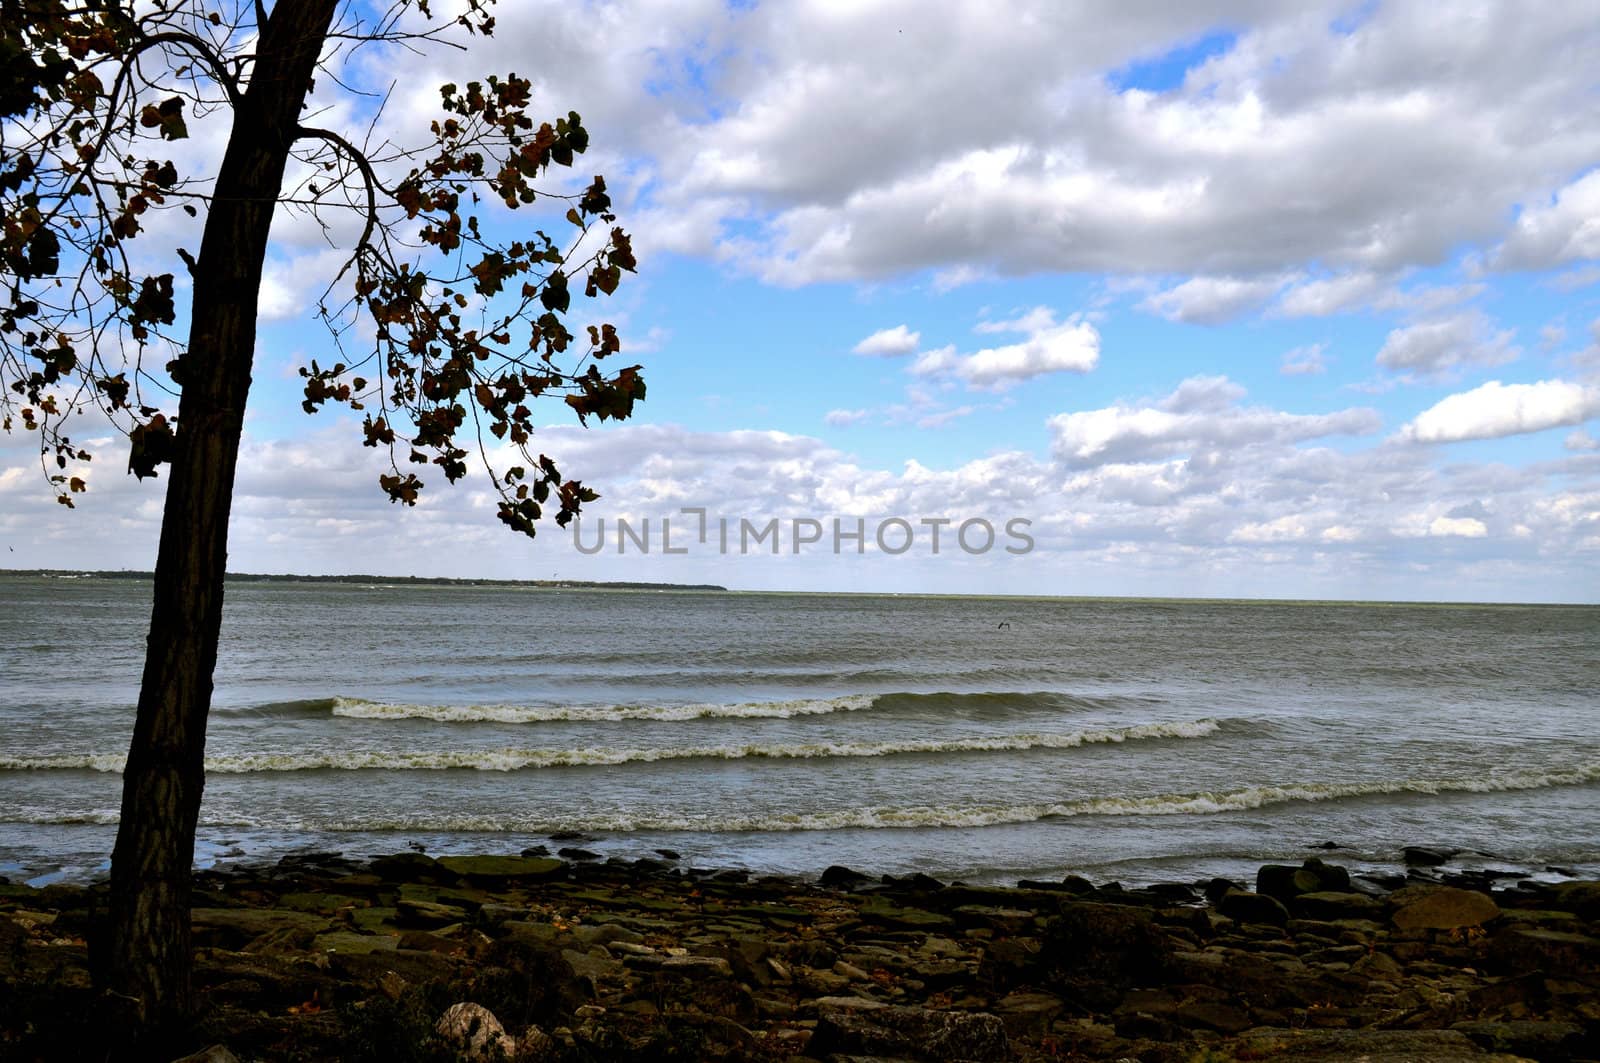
[148, 957]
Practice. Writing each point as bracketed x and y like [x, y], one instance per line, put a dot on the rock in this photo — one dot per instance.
[572, 852]
[235, 928]
[213, 1054]
[1441, 908]
[1580, 898]
[1212, 1015]
[1329, 906]
[474, 1033]
[705, 966]
[1028, 1014]
[1541, 1040]
[1257, 908]
[1368, 1046]
[1422, 856]
[536, 850]
[865, 1028]
[1277, 881]
[839, 877]
[1521, 949]
[408, 867]
[883, 910]
[499, 870]
[1096, 951]
[346, 941]
[669, 854]
[426, 914]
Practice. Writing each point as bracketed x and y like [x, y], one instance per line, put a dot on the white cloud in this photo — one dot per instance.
[1304, 361]
[1049, 346]
[1325, 296]
[1557, 233]
[846, 418]
[1203, 418]
[1493, 410]
[1581, 441]
[1435, 346]
[1465, 527]
[890, 342]
[1211, 300]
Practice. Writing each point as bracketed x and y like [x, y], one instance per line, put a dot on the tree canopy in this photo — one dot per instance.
[441, 326]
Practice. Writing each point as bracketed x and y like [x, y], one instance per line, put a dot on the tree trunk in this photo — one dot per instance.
[148, 956]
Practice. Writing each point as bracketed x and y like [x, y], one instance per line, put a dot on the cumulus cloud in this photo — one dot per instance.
[1433, 347]
[1048, 346]
[1309, 143]
[1202, 415]
[890, 342]
[1324, 296]
[1465, 527]
[1493, 410]
[1211, 300]
[1557, 233]
[846, 418]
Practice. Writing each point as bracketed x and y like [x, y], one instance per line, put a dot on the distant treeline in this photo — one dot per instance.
[418, 581]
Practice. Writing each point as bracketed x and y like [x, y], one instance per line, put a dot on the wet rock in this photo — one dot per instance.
[501, 870]
[408, 867]
[474, 1033]
[572, 852]
[1441, 908]
[839, 877]
[1580, 898]
[865, 1028]
[1423, 856]
[669, 854]
[1258, 908]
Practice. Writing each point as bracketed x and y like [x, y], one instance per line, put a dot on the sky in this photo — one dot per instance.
[1229, 298]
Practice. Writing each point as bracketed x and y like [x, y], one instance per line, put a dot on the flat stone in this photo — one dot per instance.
[494, 870]
[702, 965]
[345, 941]
[426, 914]
[1541, 1040]
[1441, 908]
[1331, 905]
[1368, 1046]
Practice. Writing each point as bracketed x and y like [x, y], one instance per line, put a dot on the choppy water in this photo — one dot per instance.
[1132, 740]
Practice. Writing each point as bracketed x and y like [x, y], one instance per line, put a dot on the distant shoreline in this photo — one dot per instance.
[413, 581]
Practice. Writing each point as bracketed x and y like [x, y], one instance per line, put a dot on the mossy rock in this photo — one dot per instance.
[499, 869]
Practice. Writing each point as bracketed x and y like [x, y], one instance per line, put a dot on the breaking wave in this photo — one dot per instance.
[519, 759]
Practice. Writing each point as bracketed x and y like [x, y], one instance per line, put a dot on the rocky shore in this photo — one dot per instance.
[567, 957]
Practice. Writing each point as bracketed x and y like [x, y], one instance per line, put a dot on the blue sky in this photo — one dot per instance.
[1237, 298]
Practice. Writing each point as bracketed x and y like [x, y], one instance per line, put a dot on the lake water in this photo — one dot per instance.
[983, 739]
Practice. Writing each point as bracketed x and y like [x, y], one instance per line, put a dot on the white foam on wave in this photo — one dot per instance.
[521, 759]
[909, 817]
[360, 709]
[930, 816]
